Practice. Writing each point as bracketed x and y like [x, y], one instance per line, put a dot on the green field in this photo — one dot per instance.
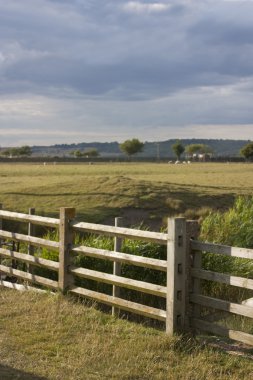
[54, 337]
[149, 192]
[46, 337]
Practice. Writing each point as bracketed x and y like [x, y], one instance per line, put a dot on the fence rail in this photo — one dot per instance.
[38, 261]
[34, 219]
[153, 237]
[219, 249]
[38, 242]
[125, 258]
[182, 291]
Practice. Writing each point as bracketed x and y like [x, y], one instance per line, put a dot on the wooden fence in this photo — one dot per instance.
[182, 291]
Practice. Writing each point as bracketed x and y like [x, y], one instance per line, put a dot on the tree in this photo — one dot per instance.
[198, 149]
[24, 151]
[131, 147]
[6, 152]
[93, 152]
[201, 151]
[16, 152]
[77, 153]
[247, 151]
[178, 149]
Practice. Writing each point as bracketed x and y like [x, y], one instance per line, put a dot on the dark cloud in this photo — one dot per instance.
[126, 51]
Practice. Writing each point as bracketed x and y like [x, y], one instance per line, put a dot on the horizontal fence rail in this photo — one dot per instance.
[145, 287]
[133, 307]
[34, 219]
[30, 239]
[153, 237]
[12, 285]
[241, 282]
[28, 276]
[49, 264]
[125, 258]
[219, 304]
[222, 331]
[219, 249]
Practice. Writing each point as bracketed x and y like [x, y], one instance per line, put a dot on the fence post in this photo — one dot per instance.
[66, 239]
[196, 262]
[1, 227]
[192, 232]
[176, 276]
[117, 265]
[31, 232]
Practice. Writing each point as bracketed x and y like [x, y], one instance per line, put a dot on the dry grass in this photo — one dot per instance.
[51, 337]
[148, 192]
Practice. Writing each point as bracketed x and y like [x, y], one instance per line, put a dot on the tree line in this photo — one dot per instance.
[134, 146]
[131, 147]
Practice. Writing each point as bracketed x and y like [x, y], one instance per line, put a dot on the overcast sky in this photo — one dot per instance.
[88, 70]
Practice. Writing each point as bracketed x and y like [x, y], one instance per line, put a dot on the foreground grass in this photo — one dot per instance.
[51, 337]
[142, 191]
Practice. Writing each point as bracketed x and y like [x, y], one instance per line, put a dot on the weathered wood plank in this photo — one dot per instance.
[22, 288]
[66, 237]
[141, 286]
[155, 237]
[31, 231]
[248, 302]
[1, 227]
[35, 219]
[193, 284]
[30, 239]
[122, 257]
[53, 265]
[176, 276]
[222, 249]
[222, 331]
[222, 278]
[133, 307]
[215, 303]
[118, 222]
[28, 276]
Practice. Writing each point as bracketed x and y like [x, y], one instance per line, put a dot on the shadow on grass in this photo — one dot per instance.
[8, 373]
[140, 201]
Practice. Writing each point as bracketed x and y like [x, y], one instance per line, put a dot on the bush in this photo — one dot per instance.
[233, 228]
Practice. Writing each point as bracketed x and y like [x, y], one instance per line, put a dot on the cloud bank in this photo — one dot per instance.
[111, 70]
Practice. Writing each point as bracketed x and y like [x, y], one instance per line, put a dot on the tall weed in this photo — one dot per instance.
[232, 228]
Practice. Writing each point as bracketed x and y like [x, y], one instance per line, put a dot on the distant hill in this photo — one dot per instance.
[162, 149]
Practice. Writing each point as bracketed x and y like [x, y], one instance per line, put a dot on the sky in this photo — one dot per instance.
[87, 70]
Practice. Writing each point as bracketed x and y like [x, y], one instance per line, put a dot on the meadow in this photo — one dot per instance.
[48, 337]
[44, 336]
[138, 191]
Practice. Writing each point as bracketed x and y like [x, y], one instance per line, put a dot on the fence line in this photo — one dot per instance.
[183, 292]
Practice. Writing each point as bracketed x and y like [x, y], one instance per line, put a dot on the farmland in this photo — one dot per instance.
[140, 192]
[46, 336]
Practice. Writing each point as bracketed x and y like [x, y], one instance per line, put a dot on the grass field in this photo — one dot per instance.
[46, 337]
[148, 192]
